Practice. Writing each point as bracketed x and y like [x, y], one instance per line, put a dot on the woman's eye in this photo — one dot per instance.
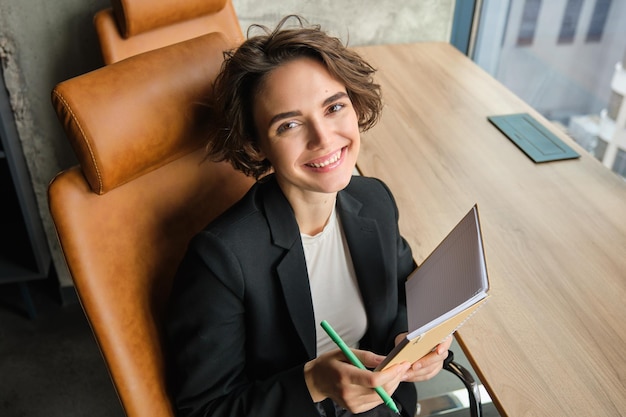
[335, 107]
[286, 126]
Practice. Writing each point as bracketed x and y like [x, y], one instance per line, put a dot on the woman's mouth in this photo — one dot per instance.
[326, 162]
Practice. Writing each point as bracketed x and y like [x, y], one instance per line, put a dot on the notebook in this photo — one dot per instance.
[444, 291]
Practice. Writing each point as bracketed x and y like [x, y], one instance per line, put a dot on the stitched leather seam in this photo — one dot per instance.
[80, 128]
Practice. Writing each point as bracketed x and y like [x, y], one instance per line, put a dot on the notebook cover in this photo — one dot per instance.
[534, 139]
[412, 350]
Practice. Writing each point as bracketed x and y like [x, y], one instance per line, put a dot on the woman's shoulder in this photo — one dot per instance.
[239, 215]
[248, 216]
[369, 197]
[363, 187]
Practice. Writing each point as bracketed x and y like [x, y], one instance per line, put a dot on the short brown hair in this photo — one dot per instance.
[233, 137]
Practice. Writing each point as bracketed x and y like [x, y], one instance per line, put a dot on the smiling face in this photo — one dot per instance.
[307, 129]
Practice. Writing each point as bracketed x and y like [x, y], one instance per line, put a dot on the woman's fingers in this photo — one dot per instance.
[430, 365]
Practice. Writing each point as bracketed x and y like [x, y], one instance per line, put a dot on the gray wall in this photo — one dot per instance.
[43, 42]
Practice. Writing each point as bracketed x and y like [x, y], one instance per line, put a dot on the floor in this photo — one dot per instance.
[51, 366]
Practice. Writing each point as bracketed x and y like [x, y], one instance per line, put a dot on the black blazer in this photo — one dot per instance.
[241, 325]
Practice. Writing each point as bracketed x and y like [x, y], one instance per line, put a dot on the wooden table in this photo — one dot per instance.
[552, 339]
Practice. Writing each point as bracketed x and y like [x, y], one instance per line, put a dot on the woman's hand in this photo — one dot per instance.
[331, 375]
[428, 366]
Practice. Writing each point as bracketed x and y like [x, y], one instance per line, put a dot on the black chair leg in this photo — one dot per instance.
[468, 380]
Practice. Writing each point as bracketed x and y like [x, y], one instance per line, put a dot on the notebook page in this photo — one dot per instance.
[451, 279]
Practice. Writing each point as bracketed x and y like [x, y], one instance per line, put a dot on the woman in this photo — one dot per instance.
[309, 242]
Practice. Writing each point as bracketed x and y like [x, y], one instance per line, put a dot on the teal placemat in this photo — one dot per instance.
[532, 137]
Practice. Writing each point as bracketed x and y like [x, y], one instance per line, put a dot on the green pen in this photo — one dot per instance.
[356, 362]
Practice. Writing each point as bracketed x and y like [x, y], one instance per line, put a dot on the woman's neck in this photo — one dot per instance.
[313, 213]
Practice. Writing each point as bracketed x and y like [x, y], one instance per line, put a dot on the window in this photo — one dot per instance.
[529, 22]
[561, 57]
[571, 15]
[598, 20]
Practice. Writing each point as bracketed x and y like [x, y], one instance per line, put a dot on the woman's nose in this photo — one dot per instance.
[319, 135]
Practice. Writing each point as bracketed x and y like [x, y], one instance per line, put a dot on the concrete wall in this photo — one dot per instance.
[43, 42]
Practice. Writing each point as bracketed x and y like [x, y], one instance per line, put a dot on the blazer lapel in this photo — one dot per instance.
[291, 269]
[363, 239]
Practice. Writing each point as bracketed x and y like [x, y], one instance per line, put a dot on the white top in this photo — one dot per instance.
[336, 295]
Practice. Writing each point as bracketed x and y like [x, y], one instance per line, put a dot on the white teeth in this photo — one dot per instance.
[329, 161]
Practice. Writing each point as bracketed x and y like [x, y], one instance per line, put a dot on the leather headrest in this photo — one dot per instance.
[133, 116]
[137, 16]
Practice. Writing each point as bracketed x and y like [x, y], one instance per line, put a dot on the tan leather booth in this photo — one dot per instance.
[141, 190]
[130, 27]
